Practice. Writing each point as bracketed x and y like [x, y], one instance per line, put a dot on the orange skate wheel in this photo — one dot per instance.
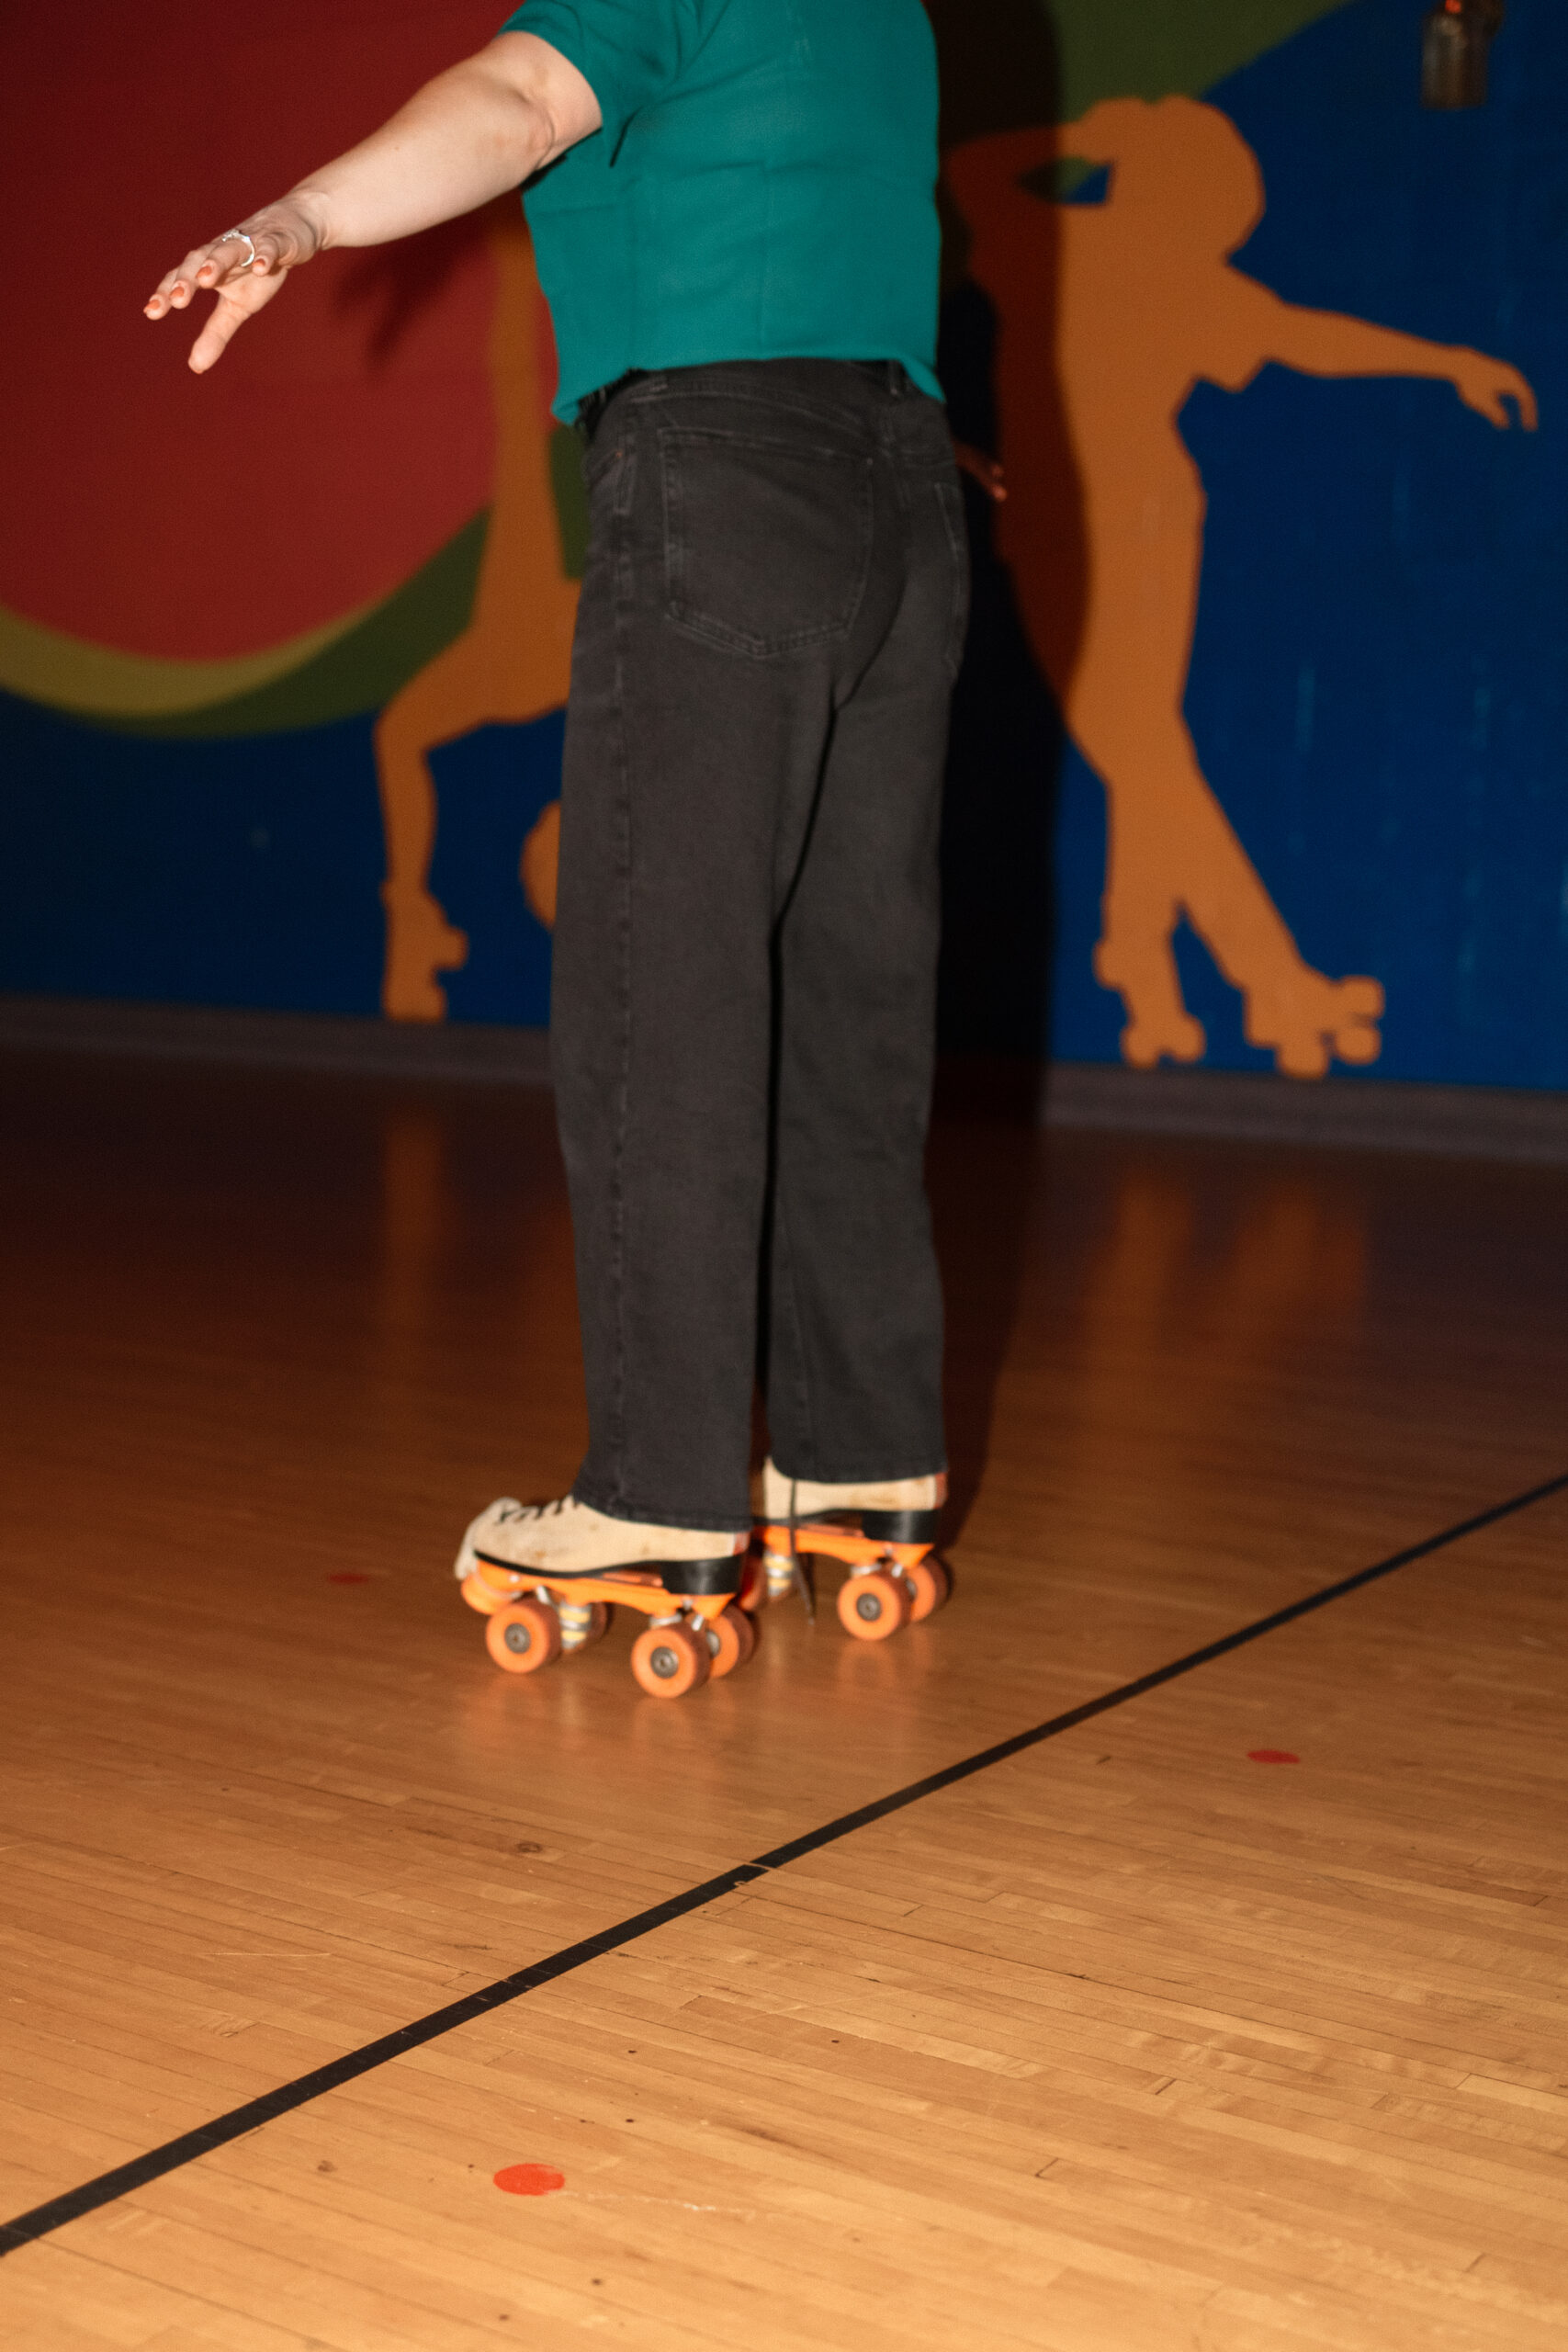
[732, 1639]
[670, 1660]
[873, 1605]
[481, 1596]
[524, 1635]
[931, 1584]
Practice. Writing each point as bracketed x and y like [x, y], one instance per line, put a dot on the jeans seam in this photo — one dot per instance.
[803, 1374]
[950, 499]
[625, 590]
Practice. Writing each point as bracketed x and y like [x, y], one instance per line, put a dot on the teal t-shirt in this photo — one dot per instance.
[763, 185]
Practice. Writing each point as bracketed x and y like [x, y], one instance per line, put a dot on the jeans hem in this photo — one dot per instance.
[881, 1477]
[649, 1515]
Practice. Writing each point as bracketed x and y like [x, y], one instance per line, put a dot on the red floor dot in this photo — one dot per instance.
[1271, 1755]
[348, 1576]
[529, 2181]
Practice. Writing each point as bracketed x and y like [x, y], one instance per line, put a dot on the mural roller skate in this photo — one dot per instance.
[883, 1530]
[546, 1576]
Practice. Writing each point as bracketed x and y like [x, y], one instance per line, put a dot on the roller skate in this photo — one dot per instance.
[547, 1574]
[883, 1530]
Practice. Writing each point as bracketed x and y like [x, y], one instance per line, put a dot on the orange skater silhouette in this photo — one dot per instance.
[512, 662]
[1108, 315]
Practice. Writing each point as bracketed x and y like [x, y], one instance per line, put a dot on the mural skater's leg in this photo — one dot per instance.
[1302, 1015]
[432, 708]
[1139, 913]
[1171, 849]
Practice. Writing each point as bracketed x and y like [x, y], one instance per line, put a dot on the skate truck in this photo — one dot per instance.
[894, 1579]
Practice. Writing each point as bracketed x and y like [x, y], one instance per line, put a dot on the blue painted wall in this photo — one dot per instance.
[248, 872]
[1377, 688]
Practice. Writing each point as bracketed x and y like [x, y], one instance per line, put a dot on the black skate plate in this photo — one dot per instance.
[899, 1526]
[879, 1526]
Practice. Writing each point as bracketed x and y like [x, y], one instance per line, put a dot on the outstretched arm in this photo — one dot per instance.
[480, 127]
[1324, 343]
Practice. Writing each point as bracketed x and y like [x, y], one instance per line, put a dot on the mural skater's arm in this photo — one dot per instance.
[482, 127]
[983, 174]
[1326, 343]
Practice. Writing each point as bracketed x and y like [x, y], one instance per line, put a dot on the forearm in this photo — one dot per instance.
[465, 137]
[480, 127]
[1321, 343]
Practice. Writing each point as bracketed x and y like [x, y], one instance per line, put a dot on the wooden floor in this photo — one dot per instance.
[1129, 2044]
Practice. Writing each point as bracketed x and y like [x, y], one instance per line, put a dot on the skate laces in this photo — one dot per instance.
[508, 1510]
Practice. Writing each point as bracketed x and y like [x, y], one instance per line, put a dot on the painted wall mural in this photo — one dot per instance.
[1109, 314]
[510, 664]
[1259, 753]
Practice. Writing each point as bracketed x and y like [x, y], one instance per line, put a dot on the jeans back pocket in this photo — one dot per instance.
[767, 542]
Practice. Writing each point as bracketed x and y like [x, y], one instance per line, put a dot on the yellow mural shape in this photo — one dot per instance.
[1107, 315]
[72, 674]
[512, 662]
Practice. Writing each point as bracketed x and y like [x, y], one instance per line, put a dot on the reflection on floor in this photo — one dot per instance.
[1132, 2042]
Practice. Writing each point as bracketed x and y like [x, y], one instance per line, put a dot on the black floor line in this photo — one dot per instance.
[107, 2186]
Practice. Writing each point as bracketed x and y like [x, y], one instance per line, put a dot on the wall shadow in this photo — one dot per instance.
[393, 286]
[999, 73]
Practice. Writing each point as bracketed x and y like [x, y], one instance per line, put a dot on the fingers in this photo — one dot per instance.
[175, 288]
[981, 468]
[259, 251]
[203, 269]
[235, 304]
[1494, 403]
[1488, 385]
[244, 269]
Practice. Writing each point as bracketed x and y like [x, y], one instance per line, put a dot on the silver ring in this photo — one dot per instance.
[230, 233]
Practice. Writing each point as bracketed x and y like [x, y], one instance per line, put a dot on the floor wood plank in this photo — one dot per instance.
[1129, 2043]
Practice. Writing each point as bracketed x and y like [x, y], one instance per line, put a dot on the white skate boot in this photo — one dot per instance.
[546, 1576]
[883, 1530]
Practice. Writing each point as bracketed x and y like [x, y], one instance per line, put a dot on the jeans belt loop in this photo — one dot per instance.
[592, 407]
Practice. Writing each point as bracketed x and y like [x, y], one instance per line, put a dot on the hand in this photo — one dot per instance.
[1487, 385]
[284, 235]
[981, 468]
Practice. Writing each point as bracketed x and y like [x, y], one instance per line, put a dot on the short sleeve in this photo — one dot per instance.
[628, 52]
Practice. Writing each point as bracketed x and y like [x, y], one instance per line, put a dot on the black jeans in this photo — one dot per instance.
[743, 1018]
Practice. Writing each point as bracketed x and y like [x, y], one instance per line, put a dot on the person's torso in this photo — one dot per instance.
[775, 200]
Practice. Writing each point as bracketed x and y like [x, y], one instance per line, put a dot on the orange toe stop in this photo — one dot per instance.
[481, 1596]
